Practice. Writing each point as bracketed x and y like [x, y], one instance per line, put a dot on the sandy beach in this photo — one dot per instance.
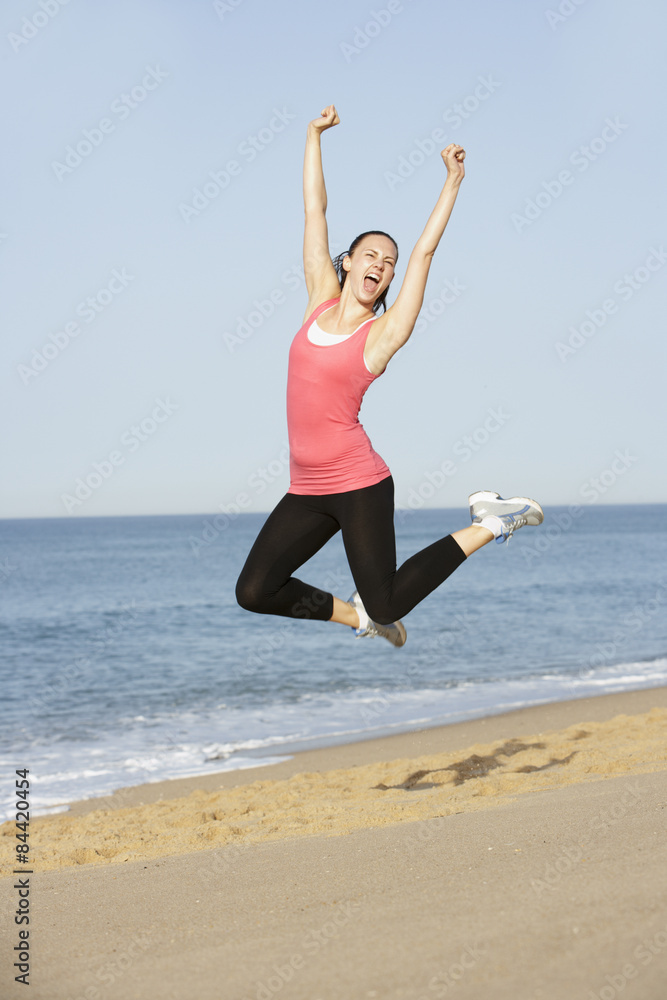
[520, 855]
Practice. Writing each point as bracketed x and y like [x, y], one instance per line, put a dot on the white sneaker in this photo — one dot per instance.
[394, 633]
[504, 516]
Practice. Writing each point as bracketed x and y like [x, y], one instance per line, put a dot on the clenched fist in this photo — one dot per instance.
[328, 119]
[454, 156]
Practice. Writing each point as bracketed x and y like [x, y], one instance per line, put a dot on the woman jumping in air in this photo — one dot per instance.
[337, 481]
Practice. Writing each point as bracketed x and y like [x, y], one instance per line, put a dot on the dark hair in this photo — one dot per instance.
[342, 273]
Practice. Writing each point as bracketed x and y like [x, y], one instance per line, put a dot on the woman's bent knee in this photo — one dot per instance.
[380, 612]
[249, 595]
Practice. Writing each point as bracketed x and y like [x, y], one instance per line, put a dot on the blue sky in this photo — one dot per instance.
[151, 243]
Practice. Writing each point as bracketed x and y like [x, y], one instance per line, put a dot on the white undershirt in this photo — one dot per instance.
[316, 335]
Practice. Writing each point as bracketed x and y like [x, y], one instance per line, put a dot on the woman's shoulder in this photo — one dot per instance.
[316, 309]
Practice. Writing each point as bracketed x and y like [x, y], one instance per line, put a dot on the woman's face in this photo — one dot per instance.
[370, 269]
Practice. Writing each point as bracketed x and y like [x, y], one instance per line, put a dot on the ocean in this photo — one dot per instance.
[127, 660]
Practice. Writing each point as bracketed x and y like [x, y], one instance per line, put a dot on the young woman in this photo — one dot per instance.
[338, 482]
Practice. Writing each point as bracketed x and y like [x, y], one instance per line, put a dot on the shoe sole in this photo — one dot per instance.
[400, 629]
[402, 633]
[482, 495]
[487, 496]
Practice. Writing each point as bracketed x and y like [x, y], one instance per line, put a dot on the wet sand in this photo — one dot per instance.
[521, 855]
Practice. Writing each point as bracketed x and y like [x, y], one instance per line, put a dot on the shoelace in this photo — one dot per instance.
[516, 522]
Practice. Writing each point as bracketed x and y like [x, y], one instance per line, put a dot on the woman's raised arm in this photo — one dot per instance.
[393, 329]
[321, 278]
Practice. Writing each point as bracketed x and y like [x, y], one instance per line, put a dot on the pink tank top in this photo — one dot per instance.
[329, 449]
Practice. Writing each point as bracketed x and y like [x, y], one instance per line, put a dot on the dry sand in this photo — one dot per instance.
[519, 856]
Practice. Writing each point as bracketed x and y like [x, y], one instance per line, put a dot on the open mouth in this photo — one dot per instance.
[371, 282]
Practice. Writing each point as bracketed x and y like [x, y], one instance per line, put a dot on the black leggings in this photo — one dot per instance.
[300, 525]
